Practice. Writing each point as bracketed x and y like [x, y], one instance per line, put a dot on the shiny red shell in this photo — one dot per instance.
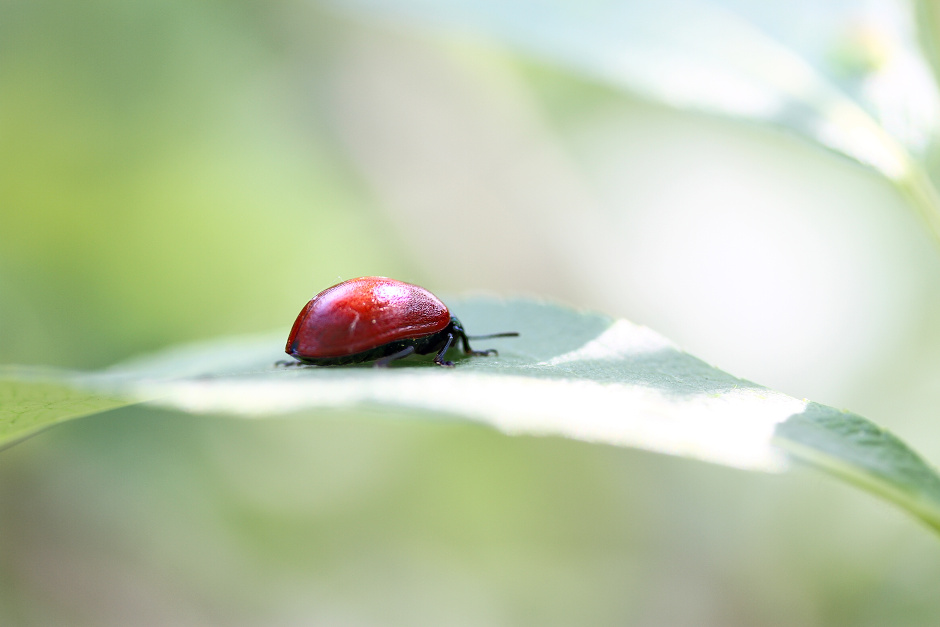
[363, 314]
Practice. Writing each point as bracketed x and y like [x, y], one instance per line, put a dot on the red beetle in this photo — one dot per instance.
[375, 318]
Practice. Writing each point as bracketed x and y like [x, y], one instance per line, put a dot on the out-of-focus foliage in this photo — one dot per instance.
[173, 171]
[166, 175]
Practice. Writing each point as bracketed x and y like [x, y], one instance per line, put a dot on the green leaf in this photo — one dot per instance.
[572, 374]
[861, 452]
[33, 399]
[849, 78]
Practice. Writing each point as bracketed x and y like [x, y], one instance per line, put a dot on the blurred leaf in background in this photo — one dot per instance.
[174, 171]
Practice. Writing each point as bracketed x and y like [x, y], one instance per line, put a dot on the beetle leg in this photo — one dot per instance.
[469, 351]
[484, 353]
[439, 360]
[385, 361]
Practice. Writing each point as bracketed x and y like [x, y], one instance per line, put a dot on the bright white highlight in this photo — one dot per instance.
[621, 340]
[733, 428]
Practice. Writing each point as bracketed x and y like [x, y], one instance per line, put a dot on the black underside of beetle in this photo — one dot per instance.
[383, 355]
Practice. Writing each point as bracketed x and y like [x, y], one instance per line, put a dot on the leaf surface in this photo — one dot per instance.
[573, 374]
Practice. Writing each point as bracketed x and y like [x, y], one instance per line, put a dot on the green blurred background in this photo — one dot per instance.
[172, 171]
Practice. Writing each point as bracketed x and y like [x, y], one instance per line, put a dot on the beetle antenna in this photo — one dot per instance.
[486, 337]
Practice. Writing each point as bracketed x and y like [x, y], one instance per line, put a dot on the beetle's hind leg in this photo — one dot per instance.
[385, 361]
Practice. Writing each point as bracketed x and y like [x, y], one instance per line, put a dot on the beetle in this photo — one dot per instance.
[376, 318]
